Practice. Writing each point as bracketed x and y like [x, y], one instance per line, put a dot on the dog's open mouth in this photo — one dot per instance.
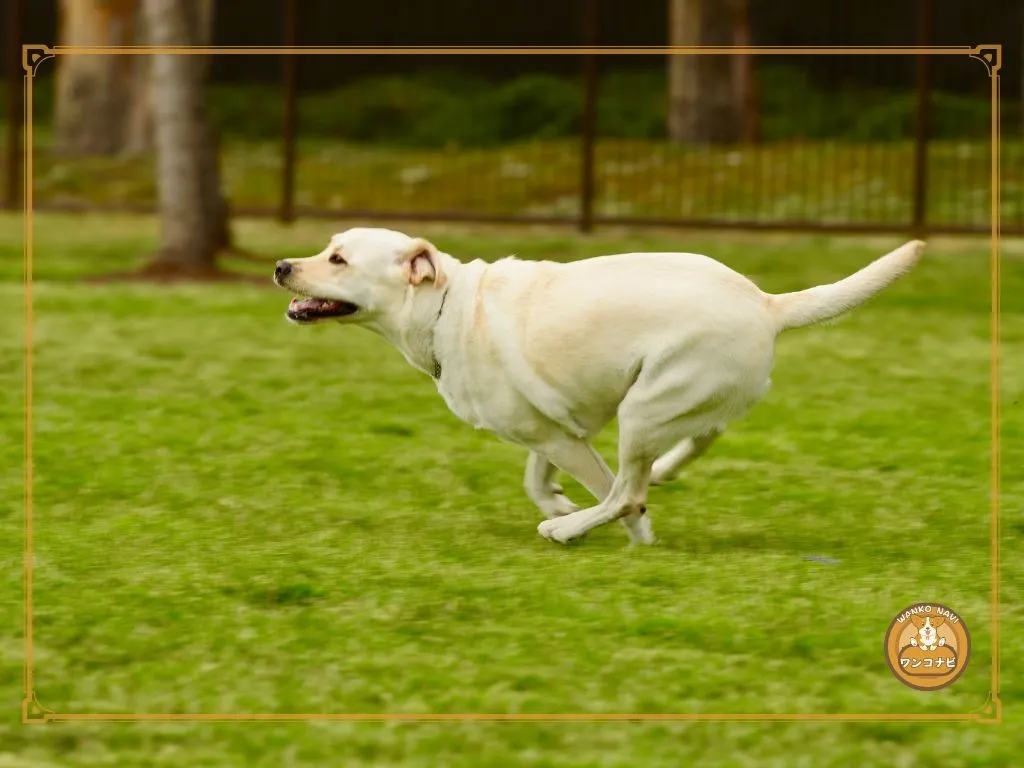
[308, 310]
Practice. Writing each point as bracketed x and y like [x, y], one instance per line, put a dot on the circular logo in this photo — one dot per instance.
[927, 646]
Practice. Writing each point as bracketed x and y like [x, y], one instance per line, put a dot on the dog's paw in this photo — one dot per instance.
[546, 528]
[553, 502]
[660, 476]
[556, 530]
[643, 533]
[560, 506]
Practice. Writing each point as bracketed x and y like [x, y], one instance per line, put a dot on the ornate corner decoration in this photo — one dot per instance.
[989, 55]
[34, 712]
[34, 55]
[991, 711]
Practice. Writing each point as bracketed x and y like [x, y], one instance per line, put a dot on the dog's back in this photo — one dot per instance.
[587, 328]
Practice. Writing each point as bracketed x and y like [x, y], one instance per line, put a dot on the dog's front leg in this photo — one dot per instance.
[625, 501]
[578, 458]
[540, 485]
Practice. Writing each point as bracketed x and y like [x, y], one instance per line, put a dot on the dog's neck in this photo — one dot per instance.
[414, 329]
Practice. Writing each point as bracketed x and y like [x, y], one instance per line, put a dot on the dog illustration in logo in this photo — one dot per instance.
[927, 638]
[926, 653]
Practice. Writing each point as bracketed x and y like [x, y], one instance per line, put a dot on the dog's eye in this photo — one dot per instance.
[336, 258]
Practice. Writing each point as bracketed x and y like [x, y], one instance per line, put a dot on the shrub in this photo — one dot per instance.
[451, 108]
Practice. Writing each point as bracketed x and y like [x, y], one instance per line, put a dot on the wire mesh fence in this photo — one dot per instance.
[873, 142]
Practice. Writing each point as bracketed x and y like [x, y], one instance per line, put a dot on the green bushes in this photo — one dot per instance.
[950, 117]
[461, 109]
[632, 105]
[793, 107]
[443, 109]
[453, 109]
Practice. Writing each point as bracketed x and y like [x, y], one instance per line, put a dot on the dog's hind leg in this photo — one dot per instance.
[667, 466]
[656, 413]
[540, 485]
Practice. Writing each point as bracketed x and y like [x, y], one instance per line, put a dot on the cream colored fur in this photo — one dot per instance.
[545, 354]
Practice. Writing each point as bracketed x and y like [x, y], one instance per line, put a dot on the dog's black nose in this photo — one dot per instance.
[282, 270]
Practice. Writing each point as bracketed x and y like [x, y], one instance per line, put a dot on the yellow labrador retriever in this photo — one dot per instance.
[545, 354]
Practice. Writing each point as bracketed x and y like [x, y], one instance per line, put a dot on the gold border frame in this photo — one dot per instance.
[989, 55]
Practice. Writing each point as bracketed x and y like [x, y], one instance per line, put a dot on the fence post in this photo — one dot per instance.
[287, 212]
[924, 63]
[589, 118]
[15, 104]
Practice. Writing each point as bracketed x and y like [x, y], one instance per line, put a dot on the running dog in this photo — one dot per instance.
[545, 354]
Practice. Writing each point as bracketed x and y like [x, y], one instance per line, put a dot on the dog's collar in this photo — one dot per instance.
[436, 373]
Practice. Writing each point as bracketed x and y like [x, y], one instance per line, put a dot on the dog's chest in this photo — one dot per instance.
[467, 404]
[455, 397]
[484, 401]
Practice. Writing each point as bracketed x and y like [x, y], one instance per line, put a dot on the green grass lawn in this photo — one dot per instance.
[234, 514]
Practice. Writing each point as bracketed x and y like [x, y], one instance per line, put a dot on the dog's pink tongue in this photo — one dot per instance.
[301, 304]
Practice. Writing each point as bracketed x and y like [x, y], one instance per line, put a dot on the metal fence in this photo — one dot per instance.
[839, 142]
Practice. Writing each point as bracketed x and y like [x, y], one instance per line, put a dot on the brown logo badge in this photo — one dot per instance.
[927, 646]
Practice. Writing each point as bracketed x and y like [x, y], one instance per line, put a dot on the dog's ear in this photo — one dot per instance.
[938, 621]
[421, 263]
[917, 621]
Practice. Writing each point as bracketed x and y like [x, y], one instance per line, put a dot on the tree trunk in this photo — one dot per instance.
[193, 211]
[213, 195]
[100, 106]
[745, 76]
[139, 126]
[703, 106]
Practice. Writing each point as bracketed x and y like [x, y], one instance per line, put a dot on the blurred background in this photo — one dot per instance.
[842, 142]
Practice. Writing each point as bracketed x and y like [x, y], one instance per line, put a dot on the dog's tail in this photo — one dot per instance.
[801, 308]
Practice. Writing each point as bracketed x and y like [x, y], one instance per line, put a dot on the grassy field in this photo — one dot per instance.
[783, 181]
[233, 514]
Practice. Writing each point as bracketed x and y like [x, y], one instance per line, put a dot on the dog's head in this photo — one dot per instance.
[926, 628]
[361, 274]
